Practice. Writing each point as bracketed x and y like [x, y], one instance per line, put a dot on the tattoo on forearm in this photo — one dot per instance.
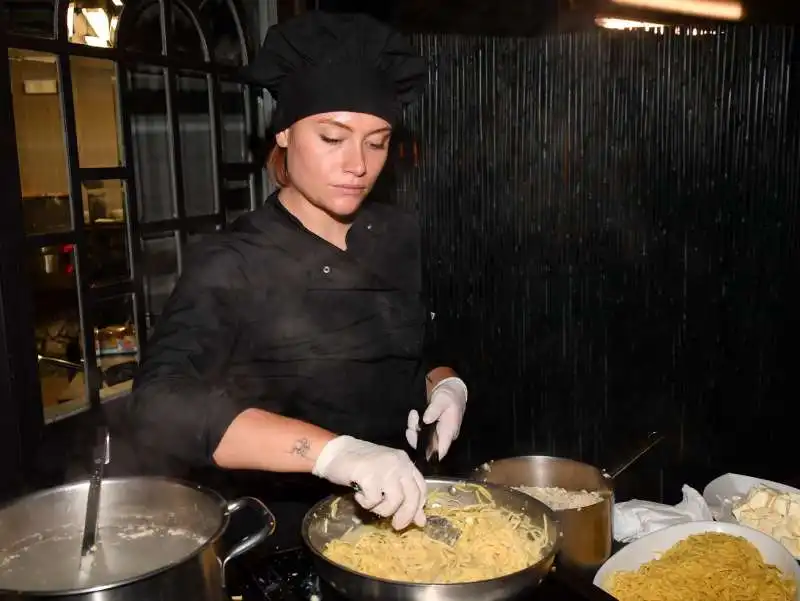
[301, 448]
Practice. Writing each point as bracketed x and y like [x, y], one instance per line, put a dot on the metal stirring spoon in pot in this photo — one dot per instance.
[102, 456]
[436, 527]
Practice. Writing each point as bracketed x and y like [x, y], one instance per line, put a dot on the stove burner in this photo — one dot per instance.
[290, 576]
[283, 576]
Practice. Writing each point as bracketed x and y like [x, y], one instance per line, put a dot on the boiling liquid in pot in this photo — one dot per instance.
[49, 560]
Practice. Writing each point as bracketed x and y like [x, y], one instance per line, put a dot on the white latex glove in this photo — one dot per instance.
[389, 483]
[446, 408]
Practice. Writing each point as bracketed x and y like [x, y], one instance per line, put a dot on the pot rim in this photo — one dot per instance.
[607, 492]
[104, 587]
[551, 515]
[480, 469]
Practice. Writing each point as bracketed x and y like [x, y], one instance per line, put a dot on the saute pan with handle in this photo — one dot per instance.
[336, 516]
[587, 531]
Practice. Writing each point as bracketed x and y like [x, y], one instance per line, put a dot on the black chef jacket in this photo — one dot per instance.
[268, 315]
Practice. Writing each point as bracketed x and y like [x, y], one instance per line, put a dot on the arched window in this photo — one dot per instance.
[130, 127]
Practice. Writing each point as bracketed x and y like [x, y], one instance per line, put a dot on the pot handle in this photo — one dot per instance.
[248, 542]
[653, 438]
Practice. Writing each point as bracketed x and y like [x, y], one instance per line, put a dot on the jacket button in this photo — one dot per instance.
[326, 270]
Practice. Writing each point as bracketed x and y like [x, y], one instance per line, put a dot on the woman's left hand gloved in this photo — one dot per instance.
[446, 407]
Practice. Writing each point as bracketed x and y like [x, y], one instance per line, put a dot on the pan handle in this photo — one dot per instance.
[253, 540]
[426, 455]
[653, 438]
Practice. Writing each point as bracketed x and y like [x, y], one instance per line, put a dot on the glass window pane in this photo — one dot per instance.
[106, 236]
[40, 141]
[160, 273]
[116, 345]
[152, 160]
[103, 201]
[185, 37]
[59, 343]
[30, 18]
[57, 331]
[195, 132]
[93, 23]
[256, 17]
[46, 213]
[234, 139]
[140, 29]
[225, 42]
[94, 84]
[235, 196]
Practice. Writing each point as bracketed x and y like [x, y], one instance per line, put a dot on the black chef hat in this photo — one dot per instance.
[321, 62]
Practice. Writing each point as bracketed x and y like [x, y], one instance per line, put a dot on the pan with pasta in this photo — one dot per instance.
[702, 560]
[507, 544]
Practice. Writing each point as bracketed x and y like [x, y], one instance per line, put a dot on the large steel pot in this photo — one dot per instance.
[158, 539]
[586, 532]
[319, 528]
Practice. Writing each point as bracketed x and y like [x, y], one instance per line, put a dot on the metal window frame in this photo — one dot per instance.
[20, 396]
[20, 399]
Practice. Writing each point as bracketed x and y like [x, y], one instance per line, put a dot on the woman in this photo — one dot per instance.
[294, 342]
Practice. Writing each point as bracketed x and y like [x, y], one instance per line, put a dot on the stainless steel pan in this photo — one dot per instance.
[319, 528]
[587, 532]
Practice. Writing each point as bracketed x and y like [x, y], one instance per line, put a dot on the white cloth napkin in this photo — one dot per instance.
[633, 519]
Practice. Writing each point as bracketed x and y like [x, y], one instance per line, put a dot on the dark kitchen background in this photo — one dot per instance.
[609, 215]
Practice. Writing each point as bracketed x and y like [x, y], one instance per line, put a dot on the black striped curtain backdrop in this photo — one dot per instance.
[610, 225]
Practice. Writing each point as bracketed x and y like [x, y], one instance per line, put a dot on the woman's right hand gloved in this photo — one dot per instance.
[388, 482]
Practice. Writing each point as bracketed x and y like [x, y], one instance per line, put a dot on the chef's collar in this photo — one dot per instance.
[364, 219]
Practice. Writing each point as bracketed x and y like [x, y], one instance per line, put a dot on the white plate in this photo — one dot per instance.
[730, 487]
[653, 545]
[722, 494]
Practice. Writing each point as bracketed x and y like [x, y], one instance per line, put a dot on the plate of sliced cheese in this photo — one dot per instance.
[770, 507]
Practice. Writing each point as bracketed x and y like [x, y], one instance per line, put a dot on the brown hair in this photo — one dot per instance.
[276, 166]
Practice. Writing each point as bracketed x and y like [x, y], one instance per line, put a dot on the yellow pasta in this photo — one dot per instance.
[494, 542]
[705, 567]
